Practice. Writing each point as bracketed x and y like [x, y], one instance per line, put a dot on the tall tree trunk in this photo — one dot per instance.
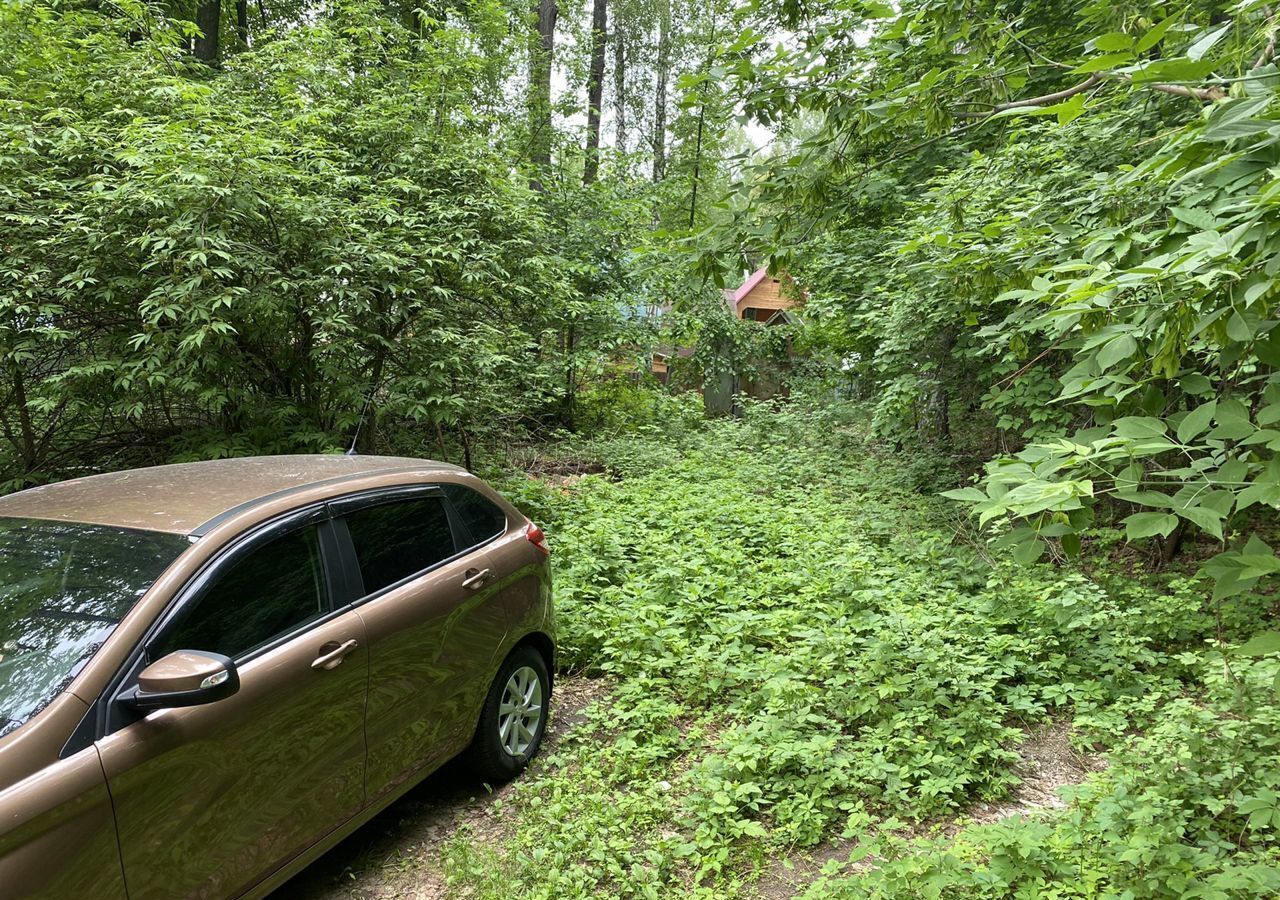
[25, 442]
[570, 378]
[935, 423]
[619, 90]
[697, 164]
[702, 123]
[541, 56]
[595, 90]
[660, 93]
[209, 21]
[242, 23]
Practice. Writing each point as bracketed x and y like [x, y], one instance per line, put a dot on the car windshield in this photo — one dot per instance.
[64, 587]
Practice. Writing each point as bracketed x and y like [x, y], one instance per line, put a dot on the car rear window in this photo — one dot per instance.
[64, 587]
[394, 541]
[483, 518]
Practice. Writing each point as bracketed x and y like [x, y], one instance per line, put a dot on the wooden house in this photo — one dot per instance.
[763, 298]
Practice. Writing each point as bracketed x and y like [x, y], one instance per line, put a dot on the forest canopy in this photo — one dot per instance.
[1036, 232]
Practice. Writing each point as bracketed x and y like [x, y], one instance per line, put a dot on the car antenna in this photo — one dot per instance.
[355, 439]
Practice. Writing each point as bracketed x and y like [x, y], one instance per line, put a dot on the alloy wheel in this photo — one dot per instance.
[520, 713]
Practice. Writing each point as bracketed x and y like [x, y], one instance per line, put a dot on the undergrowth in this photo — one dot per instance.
[801, 650]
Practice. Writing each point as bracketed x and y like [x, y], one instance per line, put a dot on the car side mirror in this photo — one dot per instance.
[184, 678]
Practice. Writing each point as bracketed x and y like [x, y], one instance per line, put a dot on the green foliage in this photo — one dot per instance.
[234, 265]
[797, 649]
[1189, 809]
[1058, 217]
[242, 258]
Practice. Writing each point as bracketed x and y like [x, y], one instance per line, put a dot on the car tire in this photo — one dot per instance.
[513, 719]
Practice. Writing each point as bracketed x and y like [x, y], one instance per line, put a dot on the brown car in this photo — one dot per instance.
[212, 672]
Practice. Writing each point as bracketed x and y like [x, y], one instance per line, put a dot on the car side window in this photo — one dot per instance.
[483, 518]
[276, 588]
[394, 541]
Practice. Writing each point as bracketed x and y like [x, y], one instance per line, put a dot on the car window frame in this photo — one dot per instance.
[340, 507]
[195, 589]
[109, 715]
[506, 516]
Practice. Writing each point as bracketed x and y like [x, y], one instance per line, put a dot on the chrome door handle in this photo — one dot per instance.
[335, 656]
[475, 578]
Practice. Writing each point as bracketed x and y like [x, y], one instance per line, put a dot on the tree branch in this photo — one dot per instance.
[1042, 100]
[1269, 50]
[1203, 94]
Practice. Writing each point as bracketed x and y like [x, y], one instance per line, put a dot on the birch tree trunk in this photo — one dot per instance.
[660, 92]
[619, 90]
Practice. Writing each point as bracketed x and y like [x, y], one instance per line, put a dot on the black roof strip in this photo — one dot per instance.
[205, 527]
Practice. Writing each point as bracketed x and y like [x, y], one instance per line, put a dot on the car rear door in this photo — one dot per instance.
[434, 624]
[209, 800]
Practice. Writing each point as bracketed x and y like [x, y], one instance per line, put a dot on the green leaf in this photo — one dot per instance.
[1104, 62]
[1173, 70]
[1269, 414]
[1232, 417]
[967, 495]
[1070, 109]
[1207, 42]
[1154, 34]
[1260, 644]
[1149, 524]
[1195, 384]
[1228, 131]
[1113, 40]
[1116, 350]
[1197, 218]
[1138, 427]
[1196, 421]
[1265, 492]
[1071, 544]
[1208, 519]
[1238, 329]
[1028, 552]
[1235, 118]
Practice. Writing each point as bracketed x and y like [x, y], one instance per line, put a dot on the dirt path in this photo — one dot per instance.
[1048, 763]
[395, 856]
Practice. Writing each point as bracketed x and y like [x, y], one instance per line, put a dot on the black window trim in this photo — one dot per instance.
[107, 715]
[340, 507]
[466, 529]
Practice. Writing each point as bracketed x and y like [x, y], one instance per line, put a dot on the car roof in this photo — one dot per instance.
[180, 498]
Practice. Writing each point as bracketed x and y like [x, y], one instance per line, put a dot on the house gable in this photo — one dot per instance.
[760, 291]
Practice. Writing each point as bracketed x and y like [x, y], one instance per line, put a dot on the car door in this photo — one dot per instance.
[211, 799]
[433, 624]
